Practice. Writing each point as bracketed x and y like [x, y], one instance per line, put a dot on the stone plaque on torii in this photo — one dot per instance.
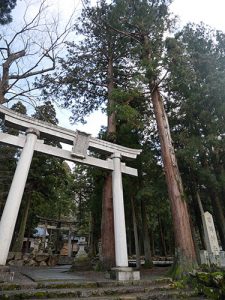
[33, 141]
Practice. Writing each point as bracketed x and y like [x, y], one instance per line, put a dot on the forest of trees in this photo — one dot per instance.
[163, 90]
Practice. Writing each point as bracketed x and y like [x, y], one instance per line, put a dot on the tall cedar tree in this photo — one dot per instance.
[147, 22]
[197, 55]
[98, 65]
[91, 71]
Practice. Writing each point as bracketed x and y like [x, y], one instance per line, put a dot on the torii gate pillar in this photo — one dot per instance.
[15, 195]
[121, 271]
[118, 214]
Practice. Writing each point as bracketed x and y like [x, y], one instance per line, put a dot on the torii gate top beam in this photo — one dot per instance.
[22, 122]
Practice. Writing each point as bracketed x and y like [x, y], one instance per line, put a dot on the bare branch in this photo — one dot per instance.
[31, 51]
[30, 24]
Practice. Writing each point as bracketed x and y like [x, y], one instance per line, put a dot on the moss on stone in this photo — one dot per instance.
[148, 264]
[204, 278]
[40, 294]
[210, 292]
[178, 284]
[67, 285]
[182, 266]
[210, 284]
[10, 287]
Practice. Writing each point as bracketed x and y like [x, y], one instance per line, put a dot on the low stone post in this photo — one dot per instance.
[15, 195]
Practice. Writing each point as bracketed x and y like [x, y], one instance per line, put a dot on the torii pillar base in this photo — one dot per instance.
[124, 274]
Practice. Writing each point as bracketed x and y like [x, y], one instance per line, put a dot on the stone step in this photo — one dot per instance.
[138, 297]
[119, 293]
[80, 284]
[104, 284]
[155, 295]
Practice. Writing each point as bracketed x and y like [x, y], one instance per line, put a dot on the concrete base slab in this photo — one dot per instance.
[124, 273]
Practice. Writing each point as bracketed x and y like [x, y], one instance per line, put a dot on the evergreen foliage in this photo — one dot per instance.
[6, 7]
[196, 84]
[123, 56]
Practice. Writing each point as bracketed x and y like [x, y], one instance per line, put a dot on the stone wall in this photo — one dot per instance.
[31, 259]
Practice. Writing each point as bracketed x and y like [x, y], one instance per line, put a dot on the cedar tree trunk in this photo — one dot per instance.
[146, 238]
[162, 237]
[107, 226]
[185, 251]
[17, 247]
[136, 240]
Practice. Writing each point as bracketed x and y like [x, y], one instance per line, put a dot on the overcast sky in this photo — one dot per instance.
[209, 12]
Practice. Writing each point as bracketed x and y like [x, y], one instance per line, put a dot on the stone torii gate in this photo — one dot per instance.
[37, 130]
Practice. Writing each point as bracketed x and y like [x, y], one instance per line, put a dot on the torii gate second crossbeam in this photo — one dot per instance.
[82, 142]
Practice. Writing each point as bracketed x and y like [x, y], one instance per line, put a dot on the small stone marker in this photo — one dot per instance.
[212, 244]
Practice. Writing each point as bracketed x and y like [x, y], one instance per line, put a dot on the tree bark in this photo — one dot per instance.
[91, 240]
[17, 247]
[152, 242]
[108, 244]
[136, 240]
[185, 251]
[111, 129]
[146, 238]
[194, 236]
[162, 236]
[199, 211]
[107, 226]
[129, 241]
[4, 81]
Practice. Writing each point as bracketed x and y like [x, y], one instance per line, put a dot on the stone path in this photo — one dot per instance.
[62, 273]
[58, 283]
